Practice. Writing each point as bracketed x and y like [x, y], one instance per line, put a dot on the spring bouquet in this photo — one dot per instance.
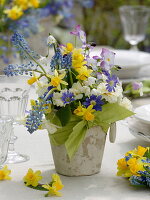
[136, 166]
[76, 91]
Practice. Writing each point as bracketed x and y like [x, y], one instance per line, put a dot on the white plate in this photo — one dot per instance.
[143, 113]
[131, 59]
[140, 135]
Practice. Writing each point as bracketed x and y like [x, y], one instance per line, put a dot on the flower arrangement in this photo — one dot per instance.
[136, 166]
[76, 91]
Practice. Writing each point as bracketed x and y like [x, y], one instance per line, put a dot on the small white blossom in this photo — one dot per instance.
[51, 40]
[43, 61]
[111, 97]
[95, 92]
[57, 99]
[90, 81]
[125, 102]
[51, 128]
[93, 63]
[86, 90]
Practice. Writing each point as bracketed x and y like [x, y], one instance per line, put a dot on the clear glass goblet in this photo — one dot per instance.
[134, 22]
[5, 133]
[14, 93]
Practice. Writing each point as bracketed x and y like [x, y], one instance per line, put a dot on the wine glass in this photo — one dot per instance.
[134, 21]
[5, 132]
[14, 93]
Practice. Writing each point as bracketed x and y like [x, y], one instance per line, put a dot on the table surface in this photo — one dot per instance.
[103, 186]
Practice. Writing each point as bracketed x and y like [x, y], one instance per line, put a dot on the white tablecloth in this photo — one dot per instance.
[103, 186]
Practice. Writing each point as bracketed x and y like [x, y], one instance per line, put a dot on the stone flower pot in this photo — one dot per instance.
[88, 159]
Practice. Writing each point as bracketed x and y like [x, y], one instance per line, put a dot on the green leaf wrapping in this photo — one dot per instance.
[62, 134]
[73, 133]
[111, 113]
[76, 138]
[64, 114]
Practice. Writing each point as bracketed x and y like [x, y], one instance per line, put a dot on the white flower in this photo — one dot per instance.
[86, 90]
[57, 99]
[94, 91]
[90, 81]
[41, 87]
[51, 40]
[51, 128]
[111, 97]
[125, 102]
[43, 61]
[77, 89]
[93, 63]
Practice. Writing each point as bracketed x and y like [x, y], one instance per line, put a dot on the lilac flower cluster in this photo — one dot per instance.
[22, 46]
[143, 179]
[14, 70]
[34, 118]
[63, 61]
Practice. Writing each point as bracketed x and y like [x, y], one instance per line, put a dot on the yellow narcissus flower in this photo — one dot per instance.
[139, 152]
[24, 4]
[4, 173]
[56, 80]
[2, 2]
[84, 73]
[55, 185]
[32, 178]
[88, 113]
[68, 49]
[85, 112]
[32, 80]
[34, 3]
[123, 169]
[14, 13]
[78, 59]
[135, 165]
[79, 111]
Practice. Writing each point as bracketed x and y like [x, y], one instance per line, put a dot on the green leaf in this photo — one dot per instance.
[38, 187]
[53, 118]
[76, 138]
[147, 153]
[64, 115]
[112, 113]
[62, 134]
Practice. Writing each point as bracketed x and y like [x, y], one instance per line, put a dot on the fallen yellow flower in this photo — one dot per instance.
[4, 173]
[32, 178]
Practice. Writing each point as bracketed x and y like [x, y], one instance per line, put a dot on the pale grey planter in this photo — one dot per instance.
[88, 158]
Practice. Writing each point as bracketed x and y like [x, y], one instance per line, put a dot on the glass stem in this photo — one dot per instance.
[13, 138]
[134, 48]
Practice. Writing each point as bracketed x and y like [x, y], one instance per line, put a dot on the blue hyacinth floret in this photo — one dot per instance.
[22, 46]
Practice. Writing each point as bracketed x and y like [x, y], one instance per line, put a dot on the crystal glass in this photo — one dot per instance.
[14, 92]
[5, 132]
[134, 21]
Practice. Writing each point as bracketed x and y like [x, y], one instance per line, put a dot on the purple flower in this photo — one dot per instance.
[67, 97]
[136, 85]
[107, 59]
[76, 30]
[111, 83]
[95, 101]
[80, 33]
